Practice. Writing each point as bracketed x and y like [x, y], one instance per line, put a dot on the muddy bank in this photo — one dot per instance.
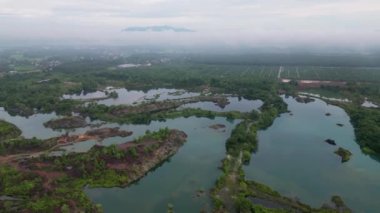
[71, 122]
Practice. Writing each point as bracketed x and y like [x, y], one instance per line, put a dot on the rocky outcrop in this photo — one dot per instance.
[330, 141]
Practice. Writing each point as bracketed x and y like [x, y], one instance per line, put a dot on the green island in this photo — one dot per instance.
[344, 154]
[46, 183]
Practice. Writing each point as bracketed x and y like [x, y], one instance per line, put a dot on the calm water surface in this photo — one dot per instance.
[33, 126]
[132, 96]
[294, 159]
[193, 168]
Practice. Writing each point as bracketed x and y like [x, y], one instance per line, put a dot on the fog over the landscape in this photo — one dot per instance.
[234, 23]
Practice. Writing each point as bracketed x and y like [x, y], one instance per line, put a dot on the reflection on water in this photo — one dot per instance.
[137, 96]
[132, 96]
[86, 96]
[193, 168]
[294, 159]
[31, 126]
[323, 97]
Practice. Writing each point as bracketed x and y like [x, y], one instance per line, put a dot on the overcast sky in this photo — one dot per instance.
[232, 22]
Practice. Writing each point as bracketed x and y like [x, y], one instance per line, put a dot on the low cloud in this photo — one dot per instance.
[236, 22]
[163, 28]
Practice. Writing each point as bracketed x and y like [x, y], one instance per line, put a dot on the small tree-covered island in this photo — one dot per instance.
[118, 130]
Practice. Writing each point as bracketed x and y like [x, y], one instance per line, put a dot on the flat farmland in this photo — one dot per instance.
[363, 74]
[267, 72]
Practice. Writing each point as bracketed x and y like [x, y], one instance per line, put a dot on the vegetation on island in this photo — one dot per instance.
[53, 183]
[104, 113]
[234, 193]
[69, 122]
[11, 141]
[8, 131]
[22, 145]
[344, 154]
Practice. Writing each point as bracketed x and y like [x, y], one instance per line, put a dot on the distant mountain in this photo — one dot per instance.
[163, 28]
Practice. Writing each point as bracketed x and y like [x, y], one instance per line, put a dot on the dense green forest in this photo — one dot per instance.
[367, 127]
